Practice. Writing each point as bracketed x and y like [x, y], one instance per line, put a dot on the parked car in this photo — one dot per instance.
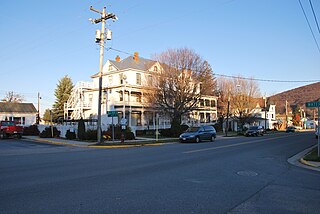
[255, 131]
[317, 133]
[197, 134]
[291, 129]
[10, 129]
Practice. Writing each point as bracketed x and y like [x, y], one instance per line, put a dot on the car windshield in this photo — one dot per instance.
[8, 123]
[192, 129]
[253, 128]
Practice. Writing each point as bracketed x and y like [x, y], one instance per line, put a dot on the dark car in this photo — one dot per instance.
[197, 134]
[291, 129]
[254, 131]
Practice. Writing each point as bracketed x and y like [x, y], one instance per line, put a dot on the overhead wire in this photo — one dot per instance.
[314, 15]
[305, 15]
[266, 80]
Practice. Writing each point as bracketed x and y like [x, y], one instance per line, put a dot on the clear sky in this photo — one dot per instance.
[42, 40]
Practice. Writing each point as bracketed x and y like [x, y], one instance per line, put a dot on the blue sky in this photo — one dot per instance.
[41, 41]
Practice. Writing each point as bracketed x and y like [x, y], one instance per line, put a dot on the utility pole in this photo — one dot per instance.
[38, 116]
[227, 124]
[100, 37]
[286, 114]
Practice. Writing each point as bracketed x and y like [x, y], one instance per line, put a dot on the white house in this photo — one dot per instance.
[124, 83]
[22, 113]
[259, 117]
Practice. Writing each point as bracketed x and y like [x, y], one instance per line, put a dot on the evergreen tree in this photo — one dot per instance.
[46, 116]
[81, 129]
[62, 93]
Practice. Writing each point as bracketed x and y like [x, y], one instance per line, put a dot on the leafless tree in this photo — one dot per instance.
[12, 97]
[242, 94]
[184, 78]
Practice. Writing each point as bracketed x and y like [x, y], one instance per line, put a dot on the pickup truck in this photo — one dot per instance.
[10, 129]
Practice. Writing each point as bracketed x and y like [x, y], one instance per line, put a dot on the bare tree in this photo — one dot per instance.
[184, 78]
[242, 94]
[12, 97]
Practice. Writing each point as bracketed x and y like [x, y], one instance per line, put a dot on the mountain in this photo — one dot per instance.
[296, 98]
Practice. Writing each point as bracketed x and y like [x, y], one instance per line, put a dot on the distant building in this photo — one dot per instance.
[258, 117]
[22, 113]
[124, 84]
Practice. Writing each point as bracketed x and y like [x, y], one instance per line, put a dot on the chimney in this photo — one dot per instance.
[136, 56]
[118, 58]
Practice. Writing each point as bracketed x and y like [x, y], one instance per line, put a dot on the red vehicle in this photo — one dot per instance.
[10, 129]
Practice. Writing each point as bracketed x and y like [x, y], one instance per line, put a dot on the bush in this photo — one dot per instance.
[81, 130]
[31, 130]
[117, 133]
[91, 134]
[46, 133]
[70, 135]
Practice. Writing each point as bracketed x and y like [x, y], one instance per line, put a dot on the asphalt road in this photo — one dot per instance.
[231, 175]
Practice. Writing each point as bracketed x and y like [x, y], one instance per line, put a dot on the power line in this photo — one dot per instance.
[266, 80]
[304, 13]
[314, 15]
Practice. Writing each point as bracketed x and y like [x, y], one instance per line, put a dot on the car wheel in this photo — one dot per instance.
[213, 138]
[261, 134]
[197, 139]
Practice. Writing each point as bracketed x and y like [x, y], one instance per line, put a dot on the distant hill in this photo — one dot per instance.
[296, 98]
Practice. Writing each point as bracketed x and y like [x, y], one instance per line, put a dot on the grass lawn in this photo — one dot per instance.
[313, 155]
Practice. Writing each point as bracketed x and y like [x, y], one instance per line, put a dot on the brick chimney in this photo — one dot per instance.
[136, 56]
[118, 58]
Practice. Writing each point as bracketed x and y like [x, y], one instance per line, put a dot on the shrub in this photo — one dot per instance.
[31, 130]
[81, 129]
[90, 134]
[117, 133]
[70, 135]
[46, 133]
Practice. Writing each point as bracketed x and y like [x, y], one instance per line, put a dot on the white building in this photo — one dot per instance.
[268, 117]
[124, 83]
[24, 114]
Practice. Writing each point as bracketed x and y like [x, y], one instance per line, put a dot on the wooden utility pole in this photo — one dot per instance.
[100, 37]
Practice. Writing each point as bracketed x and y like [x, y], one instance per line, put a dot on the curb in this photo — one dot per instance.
[91, 146]
[124, 146]
[303, 161]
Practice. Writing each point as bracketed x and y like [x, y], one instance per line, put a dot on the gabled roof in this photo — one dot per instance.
[6, 107]
[129, 62]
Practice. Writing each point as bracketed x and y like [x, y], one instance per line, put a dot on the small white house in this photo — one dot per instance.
[24, 114]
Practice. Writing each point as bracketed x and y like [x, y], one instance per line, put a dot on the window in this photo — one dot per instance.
[155, 68]
[150, 80]
[110, 79]
[138, 98]
[201, 102]
[121, 96]
[121, 78]
[138, 76]
[207, 102]
[213, 103]
[110, 68]
[90, 98]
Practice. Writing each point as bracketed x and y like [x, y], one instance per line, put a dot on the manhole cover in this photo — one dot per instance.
[247, 173]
